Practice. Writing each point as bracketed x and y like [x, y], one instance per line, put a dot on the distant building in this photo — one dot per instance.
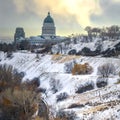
[19, 35]
[48, 29]
[48, 35]
[40, 40]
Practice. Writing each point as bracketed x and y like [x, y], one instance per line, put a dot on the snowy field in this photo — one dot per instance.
[97, 104]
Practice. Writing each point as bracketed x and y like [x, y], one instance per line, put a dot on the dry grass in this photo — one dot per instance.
[57, 57]
[101, 107]
[64, 58]
[95, 109]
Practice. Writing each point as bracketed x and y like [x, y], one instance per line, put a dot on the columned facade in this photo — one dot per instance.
[48, 29]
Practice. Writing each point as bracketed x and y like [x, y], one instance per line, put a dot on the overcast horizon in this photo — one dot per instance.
[70, 16]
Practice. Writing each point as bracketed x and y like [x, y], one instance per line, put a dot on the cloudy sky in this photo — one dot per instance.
[70, 16]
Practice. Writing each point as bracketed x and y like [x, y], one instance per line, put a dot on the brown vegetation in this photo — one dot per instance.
[82, 69]
[18, 101]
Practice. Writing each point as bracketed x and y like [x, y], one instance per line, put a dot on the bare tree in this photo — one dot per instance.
[68, 67]
[106, 69]
[55, 85]
[96, 31]
[89, 31]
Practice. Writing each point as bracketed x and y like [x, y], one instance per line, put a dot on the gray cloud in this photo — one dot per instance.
[12, 16]
[110, 13]
[68, 16]
[67, 25]
[10, 19]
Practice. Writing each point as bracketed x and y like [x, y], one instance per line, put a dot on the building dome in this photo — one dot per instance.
[48, 28]
[48, 19]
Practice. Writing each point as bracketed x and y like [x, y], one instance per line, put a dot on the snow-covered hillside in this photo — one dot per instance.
[97, 104]
[96, 47]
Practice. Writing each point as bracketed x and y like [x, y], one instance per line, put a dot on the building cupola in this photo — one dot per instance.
[48, 28]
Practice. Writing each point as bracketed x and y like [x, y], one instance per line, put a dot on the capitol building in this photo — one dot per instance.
[48, 34]
[48, 28]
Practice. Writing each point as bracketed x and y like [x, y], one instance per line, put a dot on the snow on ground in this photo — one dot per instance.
[79, 45]
[98, 103]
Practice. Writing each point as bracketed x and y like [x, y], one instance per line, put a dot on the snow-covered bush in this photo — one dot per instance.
[82, 69]
[62, 96]
[86, 50]
[101, 82]
[66, 115]
[86, 87]
[79, 89]
[55, 85]
[106, 69]
[68, 67]
[72, 52]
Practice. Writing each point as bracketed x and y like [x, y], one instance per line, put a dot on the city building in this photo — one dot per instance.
[19, 35]
[48, 29]
[48, 34]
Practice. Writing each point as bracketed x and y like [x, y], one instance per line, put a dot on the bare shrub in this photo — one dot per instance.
[17, 101]
[20, 104]
[69, 66]
[82, 69]
[106, 69]
[62, 96]
[101, 82]
[86, 87]
[66, 115]
[8, 78]
[55, 85]
[32, 84]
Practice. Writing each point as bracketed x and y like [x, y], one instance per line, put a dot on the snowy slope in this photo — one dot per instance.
[80, 45]
[48, 67]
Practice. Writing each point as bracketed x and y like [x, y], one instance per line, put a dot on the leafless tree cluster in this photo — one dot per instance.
[112, 32]
[55, 85]
[106, 69]
[18, 101]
